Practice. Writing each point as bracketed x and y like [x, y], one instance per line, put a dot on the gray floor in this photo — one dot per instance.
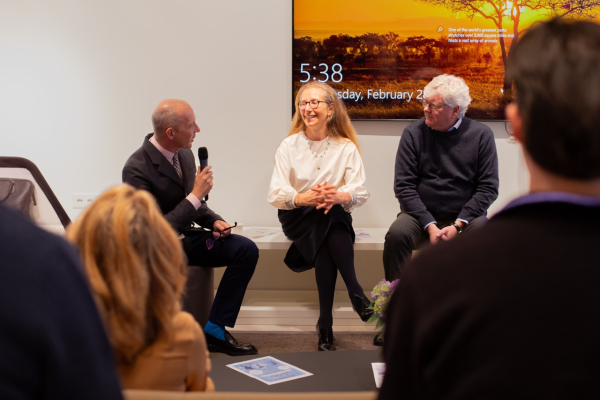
[270, 343]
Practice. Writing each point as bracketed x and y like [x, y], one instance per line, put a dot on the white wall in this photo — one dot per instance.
[79, 80]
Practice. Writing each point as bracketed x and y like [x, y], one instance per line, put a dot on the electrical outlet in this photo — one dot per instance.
[82, 200]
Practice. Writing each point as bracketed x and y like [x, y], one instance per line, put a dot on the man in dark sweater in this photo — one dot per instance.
[513, 311]
[446, 174]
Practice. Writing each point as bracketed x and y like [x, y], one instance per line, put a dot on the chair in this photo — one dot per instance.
[47, 213]
[132, 394]
[199, 293]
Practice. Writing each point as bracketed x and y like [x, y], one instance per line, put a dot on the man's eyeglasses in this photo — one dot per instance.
[314, 104]
[433, 106]
[210, 242]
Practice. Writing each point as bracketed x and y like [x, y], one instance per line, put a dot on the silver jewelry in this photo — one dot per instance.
[317, 156]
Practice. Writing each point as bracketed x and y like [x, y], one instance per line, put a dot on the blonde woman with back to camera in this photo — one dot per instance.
[318, 180]
[136, 269]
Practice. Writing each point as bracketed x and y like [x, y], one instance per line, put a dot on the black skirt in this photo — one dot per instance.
[308, 227]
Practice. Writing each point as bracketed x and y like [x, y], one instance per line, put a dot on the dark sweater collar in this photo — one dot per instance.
[552, 197]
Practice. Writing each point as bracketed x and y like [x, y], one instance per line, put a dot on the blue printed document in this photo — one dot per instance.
[269, 370]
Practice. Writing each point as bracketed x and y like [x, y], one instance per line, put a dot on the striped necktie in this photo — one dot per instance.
[175, 162]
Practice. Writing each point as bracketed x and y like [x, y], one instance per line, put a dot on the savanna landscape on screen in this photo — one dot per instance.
[394, 47]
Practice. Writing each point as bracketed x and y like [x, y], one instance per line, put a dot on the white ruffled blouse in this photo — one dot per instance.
[297, 170]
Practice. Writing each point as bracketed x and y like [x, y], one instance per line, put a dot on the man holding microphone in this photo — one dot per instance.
[164, 166]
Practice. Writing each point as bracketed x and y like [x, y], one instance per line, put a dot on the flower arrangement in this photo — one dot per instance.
[381, 297]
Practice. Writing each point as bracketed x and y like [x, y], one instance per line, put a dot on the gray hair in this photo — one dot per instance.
[453, 89]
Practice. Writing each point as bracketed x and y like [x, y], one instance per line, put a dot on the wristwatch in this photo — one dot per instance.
[454, 224]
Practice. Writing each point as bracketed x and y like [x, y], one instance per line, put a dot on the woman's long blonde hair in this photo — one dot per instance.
[135, 265]
[338, 126]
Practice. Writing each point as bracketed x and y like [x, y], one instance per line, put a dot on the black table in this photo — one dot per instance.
[333, 371]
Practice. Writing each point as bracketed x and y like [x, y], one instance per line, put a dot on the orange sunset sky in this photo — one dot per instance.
[322, 18]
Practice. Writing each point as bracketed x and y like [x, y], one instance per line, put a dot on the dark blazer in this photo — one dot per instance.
[148, 169]
[512, 312]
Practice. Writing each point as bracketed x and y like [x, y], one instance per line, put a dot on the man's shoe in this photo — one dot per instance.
[378, 340]
[361, 306]
[326, 339]
[229, 346]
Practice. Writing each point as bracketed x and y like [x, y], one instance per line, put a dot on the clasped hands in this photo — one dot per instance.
[323, 197]
[436, 234]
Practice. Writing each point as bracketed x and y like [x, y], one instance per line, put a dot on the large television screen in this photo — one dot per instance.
[379, 54]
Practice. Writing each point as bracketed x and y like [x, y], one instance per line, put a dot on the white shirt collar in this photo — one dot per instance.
[169, 155]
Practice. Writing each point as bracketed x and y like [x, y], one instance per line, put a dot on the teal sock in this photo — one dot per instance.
[214, 330]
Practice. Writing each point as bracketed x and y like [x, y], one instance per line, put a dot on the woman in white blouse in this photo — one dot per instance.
[317, 181]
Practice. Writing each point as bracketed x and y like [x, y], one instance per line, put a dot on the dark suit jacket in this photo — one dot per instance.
[512, 312]
[148, 169]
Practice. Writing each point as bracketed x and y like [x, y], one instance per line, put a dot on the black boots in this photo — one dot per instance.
[361, 306]
[326, 339]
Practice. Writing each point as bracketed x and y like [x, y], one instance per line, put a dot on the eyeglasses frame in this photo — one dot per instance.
[433, 106]
[210, 242]
[307, 103]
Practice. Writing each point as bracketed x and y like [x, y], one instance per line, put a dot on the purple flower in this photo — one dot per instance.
[381, 297]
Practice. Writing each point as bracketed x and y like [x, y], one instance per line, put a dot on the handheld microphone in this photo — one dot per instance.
[203, 157]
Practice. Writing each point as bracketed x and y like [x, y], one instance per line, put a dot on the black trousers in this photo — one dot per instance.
[240, 255]
[405, 235]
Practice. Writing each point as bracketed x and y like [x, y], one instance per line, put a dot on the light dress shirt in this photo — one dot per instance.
[297, 170]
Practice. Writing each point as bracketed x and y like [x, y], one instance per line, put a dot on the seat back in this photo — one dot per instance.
[131, 394]
[199, 293]
[47, 212]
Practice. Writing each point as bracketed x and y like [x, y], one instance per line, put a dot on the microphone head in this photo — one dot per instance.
[202, 153]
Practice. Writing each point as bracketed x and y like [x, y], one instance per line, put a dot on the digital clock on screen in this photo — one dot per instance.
[321, 72]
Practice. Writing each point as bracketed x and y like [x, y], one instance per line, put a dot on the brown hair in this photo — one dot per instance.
[135, 265]
[338, 126]
[554, 68]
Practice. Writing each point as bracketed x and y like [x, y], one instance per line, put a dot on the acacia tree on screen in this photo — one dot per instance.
[390, 43]
[501, 11]
[423, 46]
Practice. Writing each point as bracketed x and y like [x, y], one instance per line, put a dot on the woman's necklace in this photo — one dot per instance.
[316, 154]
